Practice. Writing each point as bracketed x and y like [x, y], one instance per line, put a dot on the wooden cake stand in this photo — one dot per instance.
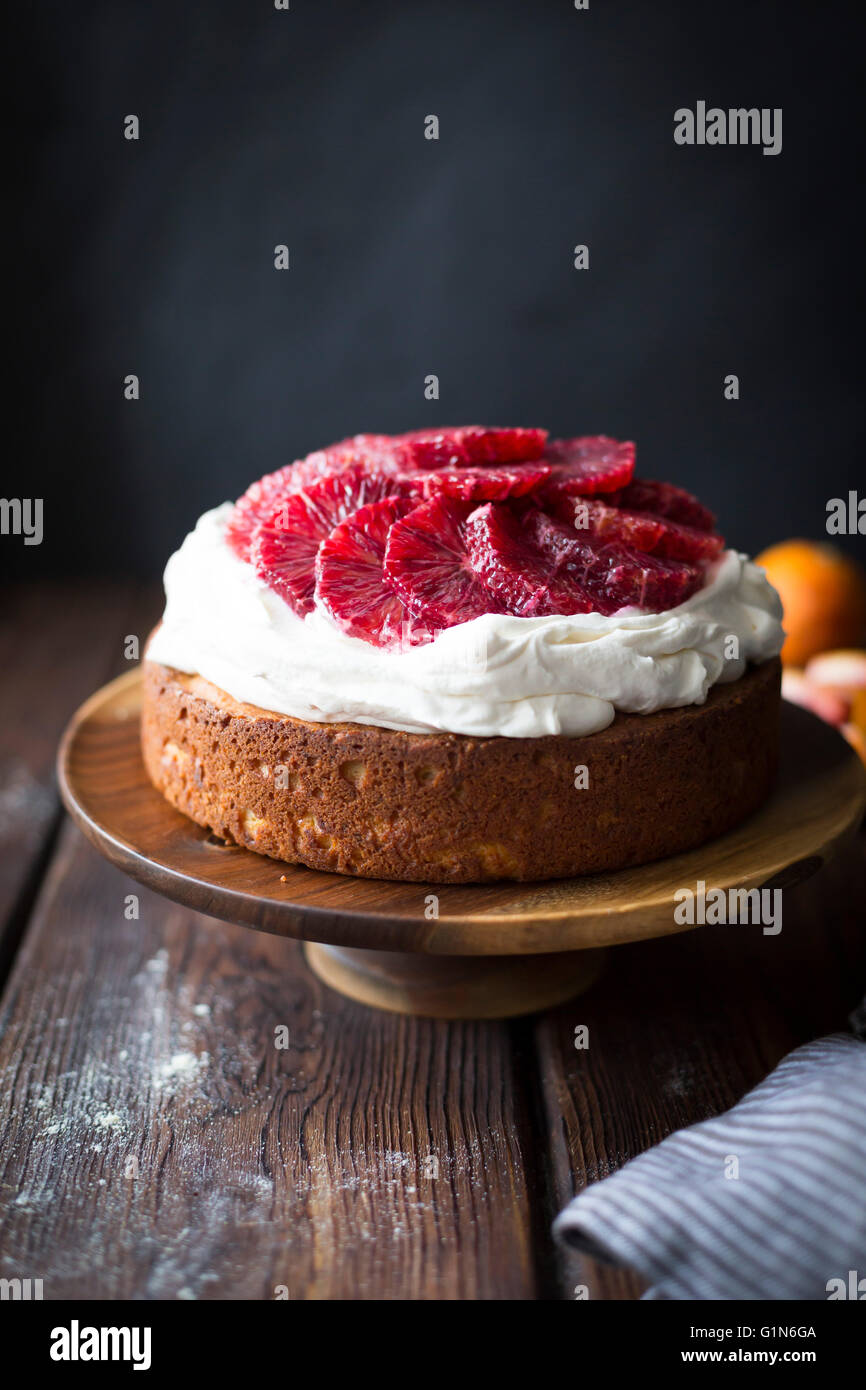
[474, 951]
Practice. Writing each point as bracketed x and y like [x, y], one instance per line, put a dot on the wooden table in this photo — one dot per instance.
[157, 1143]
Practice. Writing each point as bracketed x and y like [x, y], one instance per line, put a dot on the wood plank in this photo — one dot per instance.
[680, 1028]
[151, 1043]
[57, 642]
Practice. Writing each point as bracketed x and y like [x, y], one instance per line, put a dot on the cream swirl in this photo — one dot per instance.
[517, 677]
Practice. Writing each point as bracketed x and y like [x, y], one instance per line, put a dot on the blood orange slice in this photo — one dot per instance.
[589, 464]
[350, 580]
[472, 444]
[426, 563]
[284, 547]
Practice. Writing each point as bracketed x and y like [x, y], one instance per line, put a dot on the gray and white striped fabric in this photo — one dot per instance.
[765, 1201]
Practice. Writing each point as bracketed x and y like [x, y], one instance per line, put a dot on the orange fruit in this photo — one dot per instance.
[823, 595]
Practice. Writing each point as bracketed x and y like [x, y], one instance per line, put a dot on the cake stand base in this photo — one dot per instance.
[454, 986]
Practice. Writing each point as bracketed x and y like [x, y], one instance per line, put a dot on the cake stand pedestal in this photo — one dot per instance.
[439, 950]
[454, 986]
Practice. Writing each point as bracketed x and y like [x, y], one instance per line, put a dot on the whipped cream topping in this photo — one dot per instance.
[516, 677]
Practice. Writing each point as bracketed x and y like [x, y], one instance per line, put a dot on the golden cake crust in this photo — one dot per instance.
[446, 808]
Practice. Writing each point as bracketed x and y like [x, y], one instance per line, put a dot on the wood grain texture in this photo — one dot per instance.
[680, 1029]
[150, 1042]
[375, 1157]
[819, 799]
[56, 642]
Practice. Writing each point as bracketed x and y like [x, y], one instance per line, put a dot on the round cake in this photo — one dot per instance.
[445, 808]
[461, 656]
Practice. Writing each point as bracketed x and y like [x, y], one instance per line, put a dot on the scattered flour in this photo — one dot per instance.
[109, 1119]
[181, 1067]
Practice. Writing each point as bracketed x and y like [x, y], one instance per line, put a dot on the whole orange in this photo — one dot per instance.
[823, 595]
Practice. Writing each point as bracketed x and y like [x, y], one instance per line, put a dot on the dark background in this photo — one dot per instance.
[410, 257]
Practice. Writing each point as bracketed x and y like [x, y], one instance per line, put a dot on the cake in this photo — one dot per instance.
[460, 656]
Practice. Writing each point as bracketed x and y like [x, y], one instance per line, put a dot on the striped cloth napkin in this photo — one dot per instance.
[765, 1201]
